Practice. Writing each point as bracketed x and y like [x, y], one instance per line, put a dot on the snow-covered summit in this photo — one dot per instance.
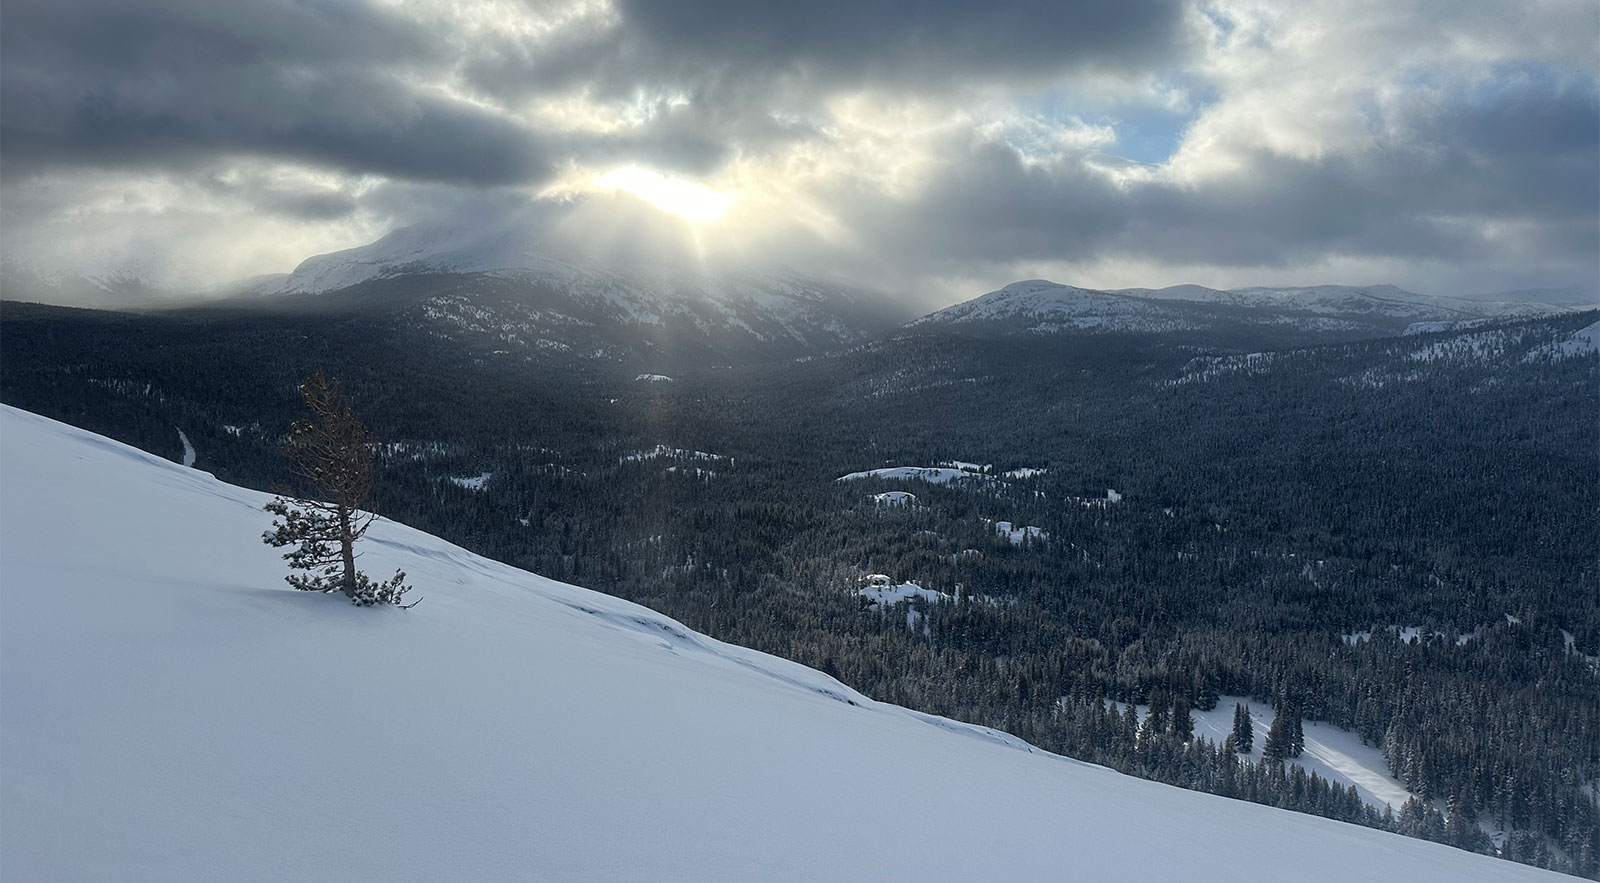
[1042, 306]
[171, 711]
[514, 280]
[422, 248]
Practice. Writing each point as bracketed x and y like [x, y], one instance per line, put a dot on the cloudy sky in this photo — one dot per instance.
[938, 148]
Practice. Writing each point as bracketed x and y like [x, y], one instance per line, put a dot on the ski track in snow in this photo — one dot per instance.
[188, 450]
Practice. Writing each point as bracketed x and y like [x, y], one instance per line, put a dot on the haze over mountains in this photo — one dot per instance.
[660, 306]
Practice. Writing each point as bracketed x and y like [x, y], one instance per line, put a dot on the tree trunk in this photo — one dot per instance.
[347, 551]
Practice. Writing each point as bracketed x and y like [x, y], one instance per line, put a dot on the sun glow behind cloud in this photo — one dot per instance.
[691, 201]
[1210, 141]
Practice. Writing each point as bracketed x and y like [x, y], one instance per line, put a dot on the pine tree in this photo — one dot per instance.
[1182, 726]
[1160, 711]
[1244, 737]
[1296, 729]
[1286, 737]
[1461, 826]
[1277, 745]
[332, 454]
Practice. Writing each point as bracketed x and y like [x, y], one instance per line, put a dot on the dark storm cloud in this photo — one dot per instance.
[986, 203]
[291, 199]
[1524, 153]
[919, 38]
[109, 83]
[757, 55]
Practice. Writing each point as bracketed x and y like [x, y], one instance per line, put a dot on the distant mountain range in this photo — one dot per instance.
[123, 290]
[1037, 306]
[487, 286]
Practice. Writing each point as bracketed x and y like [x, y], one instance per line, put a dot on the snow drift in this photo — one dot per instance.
[171, 711]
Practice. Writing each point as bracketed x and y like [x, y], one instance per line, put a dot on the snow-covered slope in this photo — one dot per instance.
[169, 710]
[1584, 341]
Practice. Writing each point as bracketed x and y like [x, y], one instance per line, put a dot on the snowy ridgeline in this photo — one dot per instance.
[173, 712]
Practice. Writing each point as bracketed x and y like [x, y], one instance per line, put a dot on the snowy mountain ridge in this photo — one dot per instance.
[1039, 306]
[1385, 300]
[172, 712]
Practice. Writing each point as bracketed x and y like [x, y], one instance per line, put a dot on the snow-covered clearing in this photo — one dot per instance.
[886, 595]
[1332, 753]
[1019, 535]
[1110, 498]
[929, 474]
[170, 711]
[472, 483]
[670, 453]
[895, 498]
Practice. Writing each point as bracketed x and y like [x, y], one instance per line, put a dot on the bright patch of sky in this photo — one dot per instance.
[691, 201]
[1145, 126]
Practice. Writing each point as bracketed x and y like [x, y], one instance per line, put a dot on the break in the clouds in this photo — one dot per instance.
[929, 147]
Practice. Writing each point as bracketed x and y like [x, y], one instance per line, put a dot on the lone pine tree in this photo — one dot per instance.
[331, 453]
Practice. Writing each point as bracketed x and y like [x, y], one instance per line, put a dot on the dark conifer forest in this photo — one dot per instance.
[1397, 536]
